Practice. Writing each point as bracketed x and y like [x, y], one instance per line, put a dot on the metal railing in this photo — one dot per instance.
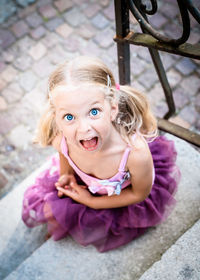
[155, 41]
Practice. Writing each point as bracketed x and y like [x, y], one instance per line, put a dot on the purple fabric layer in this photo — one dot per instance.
[108, 228]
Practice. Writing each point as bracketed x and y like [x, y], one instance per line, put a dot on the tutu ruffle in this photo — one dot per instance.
[106, 229]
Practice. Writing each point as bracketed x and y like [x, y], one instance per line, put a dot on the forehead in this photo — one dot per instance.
[65, 97]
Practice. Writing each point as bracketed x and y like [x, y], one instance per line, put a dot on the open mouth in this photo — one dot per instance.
[90, 144]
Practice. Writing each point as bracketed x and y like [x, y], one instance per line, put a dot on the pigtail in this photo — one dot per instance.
[47, 129]
[135, 114]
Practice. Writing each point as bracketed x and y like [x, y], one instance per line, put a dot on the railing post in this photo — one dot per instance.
[123, 49]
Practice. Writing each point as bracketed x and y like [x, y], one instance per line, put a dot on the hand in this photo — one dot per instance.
[63, 181]
[77, 192]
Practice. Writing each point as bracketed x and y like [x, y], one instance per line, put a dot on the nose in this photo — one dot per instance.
[83, 126]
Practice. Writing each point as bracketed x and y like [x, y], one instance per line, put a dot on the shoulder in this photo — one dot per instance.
[56, 143]
[140, 155]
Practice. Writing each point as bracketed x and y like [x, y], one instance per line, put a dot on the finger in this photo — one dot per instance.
[60, 194]
[62, 179]
[67, 192]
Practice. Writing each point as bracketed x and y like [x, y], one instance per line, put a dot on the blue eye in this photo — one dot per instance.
[69, 117]
[94, 112]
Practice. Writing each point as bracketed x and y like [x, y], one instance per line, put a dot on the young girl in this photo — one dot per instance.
[113, 178]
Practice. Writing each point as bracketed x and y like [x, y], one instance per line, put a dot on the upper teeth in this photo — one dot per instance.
[88, 139]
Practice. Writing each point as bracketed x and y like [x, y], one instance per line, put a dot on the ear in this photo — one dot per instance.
[114, 110]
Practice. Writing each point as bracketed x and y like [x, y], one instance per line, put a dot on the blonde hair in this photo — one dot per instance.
[134, 113]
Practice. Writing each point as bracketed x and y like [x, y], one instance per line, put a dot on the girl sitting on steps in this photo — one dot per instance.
[113, 178]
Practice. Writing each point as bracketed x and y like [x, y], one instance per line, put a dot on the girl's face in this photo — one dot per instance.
[84, 116]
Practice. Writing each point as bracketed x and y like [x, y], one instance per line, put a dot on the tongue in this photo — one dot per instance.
[89, 143]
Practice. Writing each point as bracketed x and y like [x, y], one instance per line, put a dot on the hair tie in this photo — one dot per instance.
[117, 86]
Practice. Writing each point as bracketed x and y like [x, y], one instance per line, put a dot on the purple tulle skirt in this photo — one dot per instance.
[106, 229]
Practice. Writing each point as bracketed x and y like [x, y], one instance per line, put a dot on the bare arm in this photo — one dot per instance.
[66, 171]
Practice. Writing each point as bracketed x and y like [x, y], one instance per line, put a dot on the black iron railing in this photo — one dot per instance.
[155, 41]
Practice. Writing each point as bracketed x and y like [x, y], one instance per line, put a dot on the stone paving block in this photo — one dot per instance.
[51, 39]
[137, 66]
[38, 97]
[148, 78]
[104, 3]
[127, 262]
[74, 17]
[64, 30]
[91, 10]
[191, 84]
[42, 68]
[8, 56]
[87, 31]
[167, 60]
[170, 10]
[43, 2]
[158, 20]
[174, 78]
[2, 66]
[24, 44]
[27, 80]
[8, 122]
[38, 51]
[47, 11]
[26, 11]
[2, 84]
[38, 32]
[181, 261]
[34, 20]
[20, 28]
[24, 3]
[23, 62]
[143, 53]
[109, 12]
[9, 74]
[189, 114]
[194, 37]
[80, 2]
[12, 93]
[90, 49]
[20, 137]
[7, 38]
[105, 38]
[160, 109]
[173, 30]
[57, 57]
[135, 84]
[6, 10]
[74, 43]
[181, 97]
[63, 5]
[3, 104]
[156, 94]
[100, 21]
[185, 66]
[53, 23]
[26, 114]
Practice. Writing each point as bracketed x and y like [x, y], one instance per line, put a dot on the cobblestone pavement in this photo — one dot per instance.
[41, 35]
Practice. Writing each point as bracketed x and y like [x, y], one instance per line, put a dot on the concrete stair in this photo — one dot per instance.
[25, 254]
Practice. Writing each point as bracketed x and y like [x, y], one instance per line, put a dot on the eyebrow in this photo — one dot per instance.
[92, 104]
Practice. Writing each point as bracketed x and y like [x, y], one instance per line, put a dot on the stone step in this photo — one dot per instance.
[181, 261]
[67, 260]
[17, 242]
